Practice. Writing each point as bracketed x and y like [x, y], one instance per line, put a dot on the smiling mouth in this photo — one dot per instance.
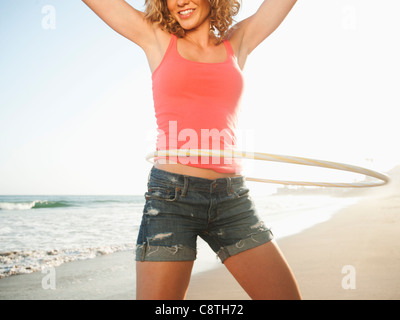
[186, 13]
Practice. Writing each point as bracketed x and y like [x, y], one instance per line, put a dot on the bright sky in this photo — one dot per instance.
[76, 114]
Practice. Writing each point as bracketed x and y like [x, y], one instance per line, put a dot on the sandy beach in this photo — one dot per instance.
[354, 255]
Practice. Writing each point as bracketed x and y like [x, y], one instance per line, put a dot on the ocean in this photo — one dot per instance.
[37, 232]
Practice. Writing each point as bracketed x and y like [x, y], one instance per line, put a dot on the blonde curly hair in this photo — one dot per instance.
[222, 13]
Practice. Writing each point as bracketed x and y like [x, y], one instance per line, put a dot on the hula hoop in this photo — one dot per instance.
[384, 179]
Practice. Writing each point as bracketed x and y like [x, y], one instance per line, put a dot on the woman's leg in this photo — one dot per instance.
[264, 273]
[162, 280]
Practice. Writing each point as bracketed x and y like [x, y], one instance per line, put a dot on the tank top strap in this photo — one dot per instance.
[174, 39]
[173, 45]
[229, 48]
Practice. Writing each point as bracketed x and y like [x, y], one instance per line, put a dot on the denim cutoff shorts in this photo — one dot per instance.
[179, 208]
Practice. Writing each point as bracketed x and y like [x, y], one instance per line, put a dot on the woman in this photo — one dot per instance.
[196, 59]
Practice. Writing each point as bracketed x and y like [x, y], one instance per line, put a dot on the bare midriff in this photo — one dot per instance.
[193, 171]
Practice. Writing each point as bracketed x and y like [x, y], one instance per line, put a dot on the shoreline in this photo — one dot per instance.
[363, 236]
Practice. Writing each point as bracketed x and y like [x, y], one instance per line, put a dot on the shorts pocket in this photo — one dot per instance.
[241, 192]
[162, 193]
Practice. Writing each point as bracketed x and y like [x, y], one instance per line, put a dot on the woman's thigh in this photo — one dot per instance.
[162, 280]
[264, 273]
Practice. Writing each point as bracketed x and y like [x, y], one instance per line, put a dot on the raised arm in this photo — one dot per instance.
[124, 19]
[249, 33]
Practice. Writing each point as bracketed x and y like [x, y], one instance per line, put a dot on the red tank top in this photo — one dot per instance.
[196, 107]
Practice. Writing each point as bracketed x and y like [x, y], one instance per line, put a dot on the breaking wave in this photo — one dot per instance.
[37, 204]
